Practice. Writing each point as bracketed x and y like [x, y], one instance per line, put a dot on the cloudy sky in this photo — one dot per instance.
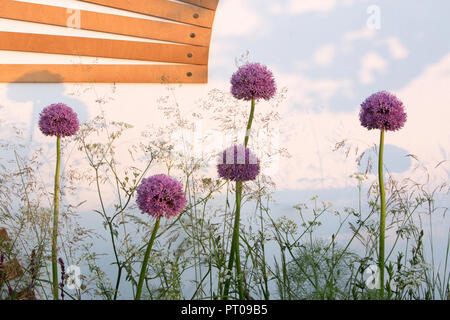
[329, 55]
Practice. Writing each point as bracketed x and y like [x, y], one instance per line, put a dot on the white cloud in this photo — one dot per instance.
[370, 64]
[325, 55]
[276, 8]
[396, 48]
[426, 133]
[302, 65]
[350, 37]
[306, 6]
[235, 18]
[309, 92]
[219, 54]
[364, 33]
[310, 137]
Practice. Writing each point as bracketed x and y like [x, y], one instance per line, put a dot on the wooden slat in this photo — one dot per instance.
[163, 9]
[107, 48]
[57, 73]
[103, 22]
[209, 4]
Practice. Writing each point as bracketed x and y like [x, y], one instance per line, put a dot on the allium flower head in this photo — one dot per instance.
[253, 81]
[238, 163]
[383, 111]
[161, 196]
[58, 120]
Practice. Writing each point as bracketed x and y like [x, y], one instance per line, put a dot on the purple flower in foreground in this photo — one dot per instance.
[383, 111]
[161, 196]
[253, 81]
[58, 120]
[238, 163]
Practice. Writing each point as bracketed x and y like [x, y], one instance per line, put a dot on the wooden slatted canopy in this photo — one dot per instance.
[181, 37]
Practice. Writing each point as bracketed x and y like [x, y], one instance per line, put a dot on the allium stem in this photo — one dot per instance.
[55, 220]
[250, 121]
[382, 215]
[145, 262]
[236, 236]
[234, 251]
[236, 242]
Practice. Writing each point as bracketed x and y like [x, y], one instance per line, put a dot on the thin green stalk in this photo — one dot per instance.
[145, 262]
[265, 289]
[234, 252]
[382, 215]
[234, 240]
[250, 121]
[236, 243]
[430, 211]
[55, 221]
[119, 276]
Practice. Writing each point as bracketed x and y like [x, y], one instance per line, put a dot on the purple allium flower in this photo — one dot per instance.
[253, 81]
[383, 111]
[161, 196]
[238, 163]
[58, 120]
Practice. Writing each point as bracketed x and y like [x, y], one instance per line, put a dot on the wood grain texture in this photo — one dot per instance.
[57, 73]
[95, 21]
[163, 9]
[191, 39]
[209, 4]
[106, 48]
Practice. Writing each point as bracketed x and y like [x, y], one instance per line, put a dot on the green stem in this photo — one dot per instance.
[383, 214]
[236, 242]
[234, 239]
[55, 221]
[234, 251]
[119, 275]
[145, 262]
[249, 125]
